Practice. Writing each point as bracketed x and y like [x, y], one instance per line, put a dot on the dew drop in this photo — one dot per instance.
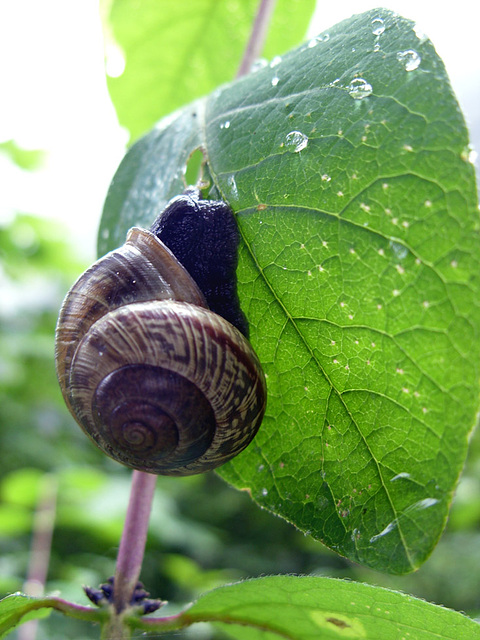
[264, 492]
[426, 503]
[225, 125]
[378, 26]
[296, 141]
[469, 154]
[275, 61]
[402, 474]
[390, 527]
[359, 89]
[399, 250]
[258, 64]
[314, 41]
[233, 186]
[275, 81]
[419, 33]
[409, 59]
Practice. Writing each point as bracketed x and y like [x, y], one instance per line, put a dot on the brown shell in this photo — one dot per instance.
[158, 381]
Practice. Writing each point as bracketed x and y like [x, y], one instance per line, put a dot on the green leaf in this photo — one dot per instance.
[176, 52]
[358, 272]
[300, 608]
[18, 608]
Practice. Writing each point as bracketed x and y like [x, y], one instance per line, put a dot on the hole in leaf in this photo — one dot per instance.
[193, 168]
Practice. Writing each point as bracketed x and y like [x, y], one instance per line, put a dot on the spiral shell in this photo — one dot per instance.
[159, 382]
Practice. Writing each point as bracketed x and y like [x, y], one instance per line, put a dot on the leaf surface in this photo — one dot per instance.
[299, 608]
[346, 163]
[18, 608]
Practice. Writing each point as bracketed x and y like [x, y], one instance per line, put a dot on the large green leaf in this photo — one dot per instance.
[178, 51]
[347, 166]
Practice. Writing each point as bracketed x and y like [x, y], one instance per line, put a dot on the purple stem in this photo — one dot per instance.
[134, 537]
[257, 36]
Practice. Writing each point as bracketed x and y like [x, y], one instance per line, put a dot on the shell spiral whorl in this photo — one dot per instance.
[158, 381]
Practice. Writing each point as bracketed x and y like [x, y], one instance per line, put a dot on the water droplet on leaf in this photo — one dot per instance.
[403, 474]
[233, 186]
[296, 141]
[378, 26]
[321, 38]
[409, 59]
[258, 64]
[390, 527]
[359, 88]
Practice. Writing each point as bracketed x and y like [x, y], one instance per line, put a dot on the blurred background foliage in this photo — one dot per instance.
[202, 532]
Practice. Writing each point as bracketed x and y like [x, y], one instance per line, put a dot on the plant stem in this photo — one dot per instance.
[257, 36]
[134, 537]
[43, 526]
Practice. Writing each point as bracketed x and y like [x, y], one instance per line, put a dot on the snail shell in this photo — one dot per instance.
[157, 380]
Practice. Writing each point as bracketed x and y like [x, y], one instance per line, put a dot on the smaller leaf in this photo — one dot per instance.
[18, 608]
[306, 607]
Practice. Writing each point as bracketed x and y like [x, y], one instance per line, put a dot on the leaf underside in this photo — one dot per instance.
[358, 272]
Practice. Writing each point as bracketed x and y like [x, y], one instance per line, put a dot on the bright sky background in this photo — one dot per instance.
[53, 97]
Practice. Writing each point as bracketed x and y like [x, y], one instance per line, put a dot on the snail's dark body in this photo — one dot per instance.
[153, 376]
[203, 236]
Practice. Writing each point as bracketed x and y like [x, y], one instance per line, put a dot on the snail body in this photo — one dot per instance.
[158, 380]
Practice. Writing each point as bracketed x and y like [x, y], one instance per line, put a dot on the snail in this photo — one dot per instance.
[153, 361]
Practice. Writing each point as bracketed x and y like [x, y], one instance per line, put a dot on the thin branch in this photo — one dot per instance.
[257, 36]
[134, 537]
